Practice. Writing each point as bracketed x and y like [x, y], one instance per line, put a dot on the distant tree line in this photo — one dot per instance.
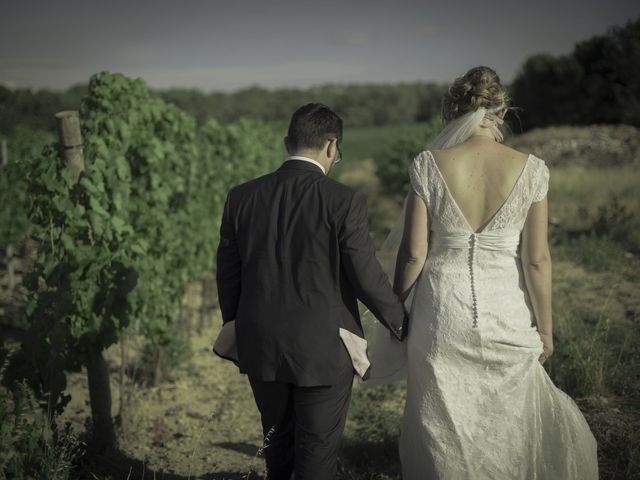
[359, 104]
[599, 82]
[36, 109]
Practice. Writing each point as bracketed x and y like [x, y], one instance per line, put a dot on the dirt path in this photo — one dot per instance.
[202, 422]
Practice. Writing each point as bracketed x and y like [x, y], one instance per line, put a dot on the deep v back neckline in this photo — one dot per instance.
[488, 222]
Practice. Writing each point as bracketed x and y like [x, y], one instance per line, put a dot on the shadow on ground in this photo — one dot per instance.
[117, 465]
[241, 447]
[358, 459]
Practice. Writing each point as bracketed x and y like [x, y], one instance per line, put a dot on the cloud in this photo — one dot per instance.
[354, 39]
[426, 30]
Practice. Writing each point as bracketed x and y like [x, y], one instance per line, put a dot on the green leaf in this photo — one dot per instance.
[118, 224]
[139, 247]
[122, 167]
[68, 242]
[97, 223]
[117, 201]
[49, 265]
[97, 208]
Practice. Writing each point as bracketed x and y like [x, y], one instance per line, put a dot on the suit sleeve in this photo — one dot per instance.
[228, 268]
[363, 269]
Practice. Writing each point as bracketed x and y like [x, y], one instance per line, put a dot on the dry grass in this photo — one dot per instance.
[576, 190]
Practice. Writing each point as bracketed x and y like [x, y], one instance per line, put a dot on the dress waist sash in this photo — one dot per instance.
[492, 240]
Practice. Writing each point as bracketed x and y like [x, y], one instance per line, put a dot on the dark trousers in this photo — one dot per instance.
[302, 426]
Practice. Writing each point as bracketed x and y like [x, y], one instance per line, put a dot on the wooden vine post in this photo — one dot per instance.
[104, 436]
[4, 158]
[71, 151]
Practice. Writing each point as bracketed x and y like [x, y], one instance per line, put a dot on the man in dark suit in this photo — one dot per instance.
[294, 256]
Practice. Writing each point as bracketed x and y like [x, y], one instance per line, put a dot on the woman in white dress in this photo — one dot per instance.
[474, 269]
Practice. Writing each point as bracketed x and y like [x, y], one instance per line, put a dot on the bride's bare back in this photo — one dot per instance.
[480, 175]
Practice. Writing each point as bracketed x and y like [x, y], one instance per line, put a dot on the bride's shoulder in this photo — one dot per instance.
[419, 174]
[420, 160]
[536, 165]
[425, 154]
[537, 173]
[443, 152]
[510, 152]
[437, 155]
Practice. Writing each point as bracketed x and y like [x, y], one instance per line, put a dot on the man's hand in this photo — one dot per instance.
[405, 327]
[401, 332]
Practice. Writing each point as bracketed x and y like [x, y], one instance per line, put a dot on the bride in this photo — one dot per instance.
[474, 270]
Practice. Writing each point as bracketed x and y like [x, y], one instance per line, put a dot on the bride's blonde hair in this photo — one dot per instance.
[479, 87]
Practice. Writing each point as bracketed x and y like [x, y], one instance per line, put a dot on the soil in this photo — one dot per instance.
[201, 421]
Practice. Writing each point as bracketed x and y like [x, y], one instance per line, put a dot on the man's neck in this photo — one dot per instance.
[308, 159]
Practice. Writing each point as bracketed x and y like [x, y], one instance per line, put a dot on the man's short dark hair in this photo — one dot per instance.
[312, 125]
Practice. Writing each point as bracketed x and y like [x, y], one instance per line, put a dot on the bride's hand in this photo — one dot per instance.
[547, 346]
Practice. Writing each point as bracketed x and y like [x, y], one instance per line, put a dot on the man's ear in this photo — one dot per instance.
[330, 148]
[285, 140]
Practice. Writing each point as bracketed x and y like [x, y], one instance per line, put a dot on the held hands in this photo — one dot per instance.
[547, 347]
[400, 333]
[405, 327]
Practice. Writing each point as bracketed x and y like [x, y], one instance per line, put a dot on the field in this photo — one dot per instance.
[200, 421]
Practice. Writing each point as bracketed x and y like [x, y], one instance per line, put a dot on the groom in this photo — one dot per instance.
[294, 256]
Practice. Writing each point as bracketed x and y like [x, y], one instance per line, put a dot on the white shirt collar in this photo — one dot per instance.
[307, 159]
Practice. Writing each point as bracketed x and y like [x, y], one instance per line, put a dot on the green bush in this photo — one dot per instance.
[614, 220]
[23, 144]
[594, 253]
[603, 244]
[31, 446]
[391, 168]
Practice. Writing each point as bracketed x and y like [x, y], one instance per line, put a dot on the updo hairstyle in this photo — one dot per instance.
[479, 87]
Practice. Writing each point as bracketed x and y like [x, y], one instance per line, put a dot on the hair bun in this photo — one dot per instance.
[479, 87]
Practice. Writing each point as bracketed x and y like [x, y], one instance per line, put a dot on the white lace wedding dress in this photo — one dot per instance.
[479, 404]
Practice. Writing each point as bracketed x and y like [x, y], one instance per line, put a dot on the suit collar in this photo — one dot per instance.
[295, 164]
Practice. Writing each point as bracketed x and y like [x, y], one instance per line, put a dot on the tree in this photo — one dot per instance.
[599, 82]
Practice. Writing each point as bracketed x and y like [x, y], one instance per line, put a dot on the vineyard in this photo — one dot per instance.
[119, 231]
[108, 306]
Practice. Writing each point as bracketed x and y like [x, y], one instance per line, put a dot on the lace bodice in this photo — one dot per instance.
[446, 216]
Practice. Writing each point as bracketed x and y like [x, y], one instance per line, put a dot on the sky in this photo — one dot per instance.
[228, 45]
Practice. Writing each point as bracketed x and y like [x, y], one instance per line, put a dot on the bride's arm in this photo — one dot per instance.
[536, 265]
[413, 248]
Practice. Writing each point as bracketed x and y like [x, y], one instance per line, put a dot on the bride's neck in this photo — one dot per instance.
[481, 132]
[482, 136]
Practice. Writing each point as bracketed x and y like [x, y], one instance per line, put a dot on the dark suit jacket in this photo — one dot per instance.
[294, 256]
